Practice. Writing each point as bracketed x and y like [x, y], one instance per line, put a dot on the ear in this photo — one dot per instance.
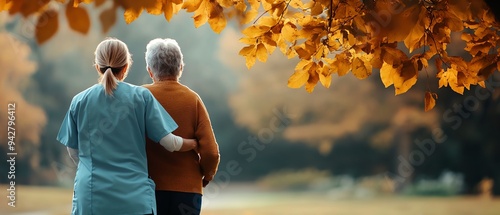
[150, 73]
[97, 69]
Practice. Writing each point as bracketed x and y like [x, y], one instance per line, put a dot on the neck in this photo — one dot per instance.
[166, 80]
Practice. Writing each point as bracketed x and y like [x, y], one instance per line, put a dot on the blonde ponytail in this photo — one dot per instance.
[112, 59]
[109, 82]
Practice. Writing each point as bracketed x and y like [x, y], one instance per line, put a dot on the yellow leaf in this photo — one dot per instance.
[108, 19]
[288, 32]
[241, 6]
[157, 9]
[302, 64]
[430, 101]
[261, 53]
[298, 79]
[342, 63]
[217, 20]
[406, 77]
[248, 41]
[325, 77]
[386, 74]
[393, 56]
[46, 26]
[450, 77]
[78, 19]
[359, 69]
[250, 61]
[191, 5]
[249, 16]
[255, 31]
[225, 3]
[313, 78]
[316, 9]
[302, 52]
[131, 14]
[267, 21]
[247, 50]
[414, 39]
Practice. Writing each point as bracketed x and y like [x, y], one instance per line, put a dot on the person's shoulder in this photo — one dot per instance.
[134, 88]
[82, 95]
[190, 91]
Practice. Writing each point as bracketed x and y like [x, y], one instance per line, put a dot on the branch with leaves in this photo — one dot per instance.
[330, 37]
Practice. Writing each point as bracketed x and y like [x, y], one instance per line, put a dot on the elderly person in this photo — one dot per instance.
[104, 131]
[179, 177]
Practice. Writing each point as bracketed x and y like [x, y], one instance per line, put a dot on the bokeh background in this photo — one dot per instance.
[352, 149]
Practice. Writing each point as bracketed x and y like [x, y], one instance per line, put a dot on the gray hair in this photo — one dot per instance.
[164, 58]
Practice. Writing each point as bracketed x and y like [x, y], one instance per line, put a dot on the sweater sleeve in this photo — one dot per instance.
[208, 147]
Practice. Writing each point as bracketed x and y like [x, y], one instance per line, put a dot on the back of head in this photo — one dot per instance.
[112, 59]
[164, 58]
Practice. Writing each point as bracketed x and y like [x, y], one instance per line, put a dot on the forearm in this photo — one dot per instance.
[209, 163]
[173, 143]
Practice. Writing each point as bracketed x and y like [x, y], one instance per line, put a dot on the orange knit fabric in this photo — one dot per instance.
[183, 171]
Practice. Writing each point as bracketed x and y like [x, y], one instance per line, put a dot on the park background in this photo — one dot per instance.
[354, 148]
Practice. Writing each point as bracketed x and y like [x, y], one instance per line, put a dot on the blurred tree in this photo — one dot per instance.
[328, 36]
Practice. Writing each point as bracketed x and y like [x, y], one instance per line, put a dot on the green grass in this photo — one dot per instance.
[249, 201]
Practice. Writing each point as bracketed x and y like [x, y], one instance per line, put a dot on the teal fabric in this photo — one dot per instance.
[110, 134]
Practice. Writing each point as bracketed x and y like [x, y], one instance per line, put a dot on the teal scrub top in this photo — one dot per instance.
[110, 134]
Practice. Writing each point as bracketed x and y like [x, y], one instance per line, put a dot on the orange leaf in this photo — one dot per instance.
[78, 19]
[99, 2]
[132, 14]
[29, 8]
[430, 101]
[157, 8]
[46, 26]
[108, 19]
[168, 10]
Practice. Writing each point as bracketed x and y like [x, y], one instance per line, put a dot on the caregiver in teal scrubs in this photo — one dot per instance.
[105, 132]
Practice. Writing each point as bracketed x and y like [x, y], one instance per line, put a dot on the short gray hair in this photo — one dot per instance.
[164, 58]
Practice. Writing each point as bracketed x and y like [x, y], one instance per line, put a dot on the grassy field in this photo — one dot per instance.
[248, 201]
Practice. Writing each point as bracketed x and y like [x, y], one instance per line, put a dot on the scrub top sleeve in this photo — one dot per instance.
[68, 133]
[158, 122]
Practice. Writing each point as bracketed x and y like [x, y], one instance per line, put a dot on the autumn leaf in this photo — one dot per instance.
[313, 78]
[429, 101]
[261, 53]
[386, 74]
[325, 77]
[131, 14]
[78, 19]
[217, 20]
[360, 70]
[47, 25]
[298, 79]
[108, 19]
[28, 9]
[406, 78]
[191, 5]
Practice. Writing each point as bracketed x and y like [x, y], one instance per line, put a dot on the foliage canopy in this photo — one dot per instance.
[329, 37]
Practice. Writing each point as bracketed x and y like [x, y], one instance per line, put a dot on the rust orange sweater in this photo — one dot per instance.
[183, 171]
